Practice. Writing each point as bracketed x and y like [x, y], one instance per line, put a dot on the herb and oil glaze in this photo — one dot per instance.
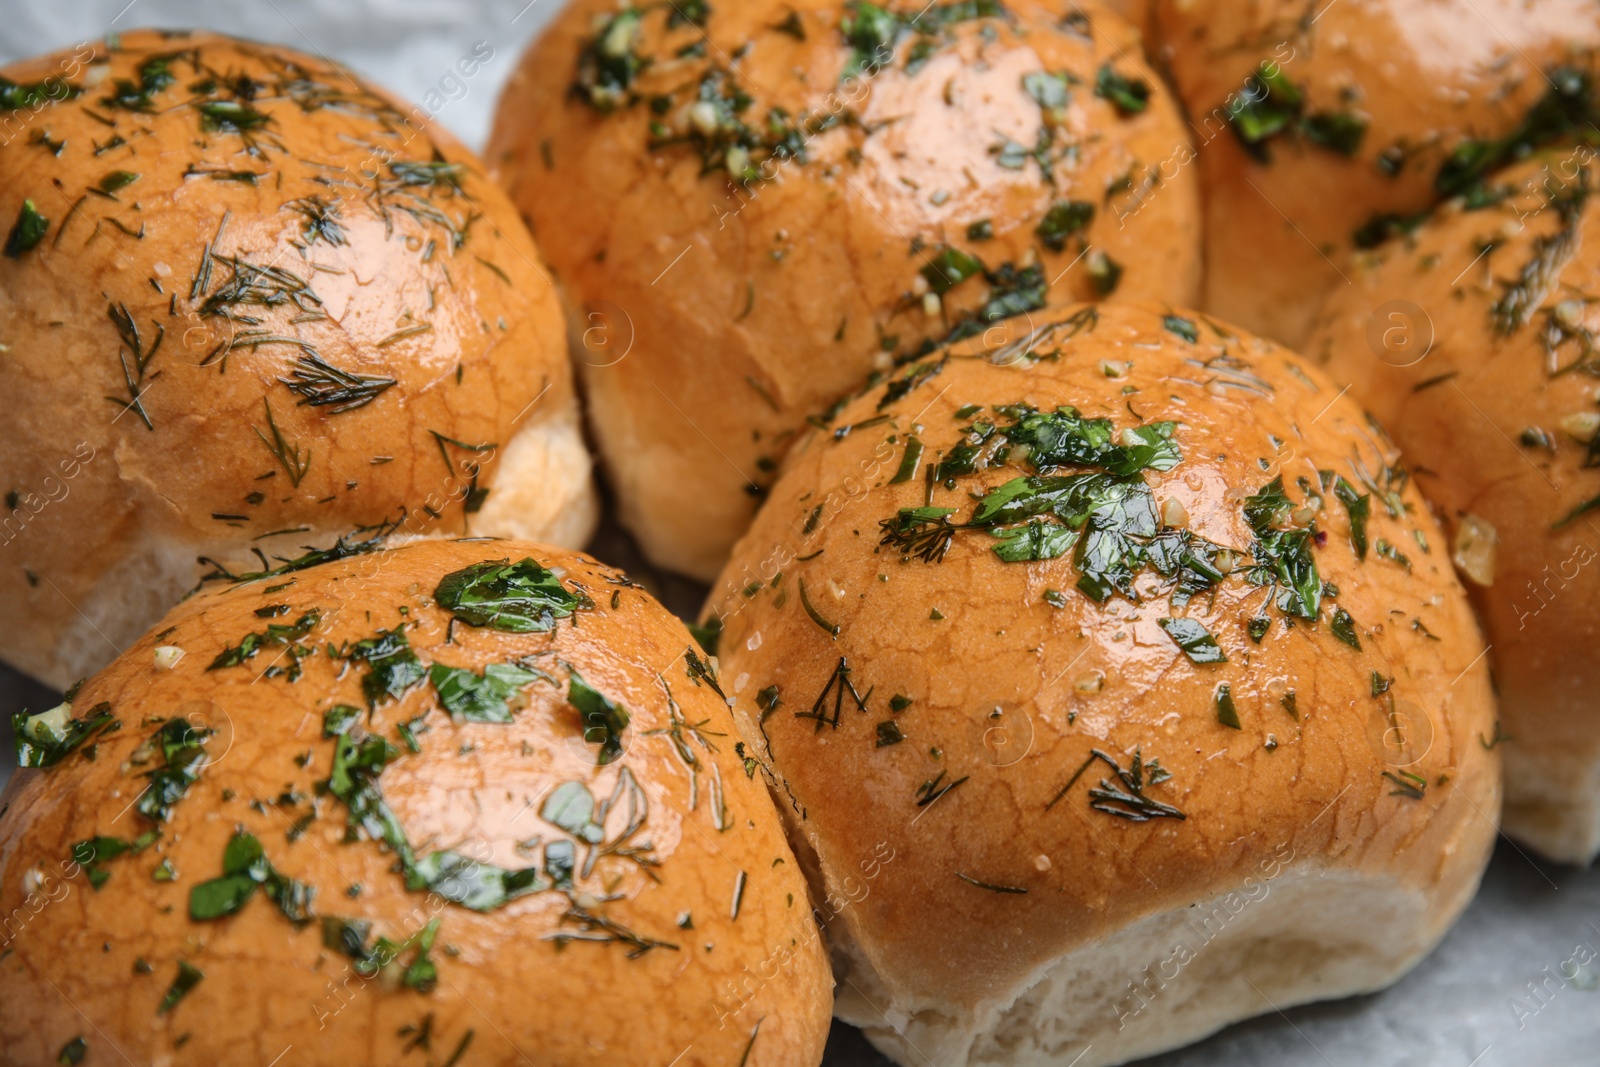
[240, 108]
[1082, 494]
[585, 825]
[657, 58]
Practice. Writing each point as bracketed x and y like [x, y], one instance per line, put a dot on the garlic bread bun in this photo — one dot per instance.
[1474, 338]
[477, 799]
[1321, 135]
[252, 302]
[752, 206]
[1134, 645]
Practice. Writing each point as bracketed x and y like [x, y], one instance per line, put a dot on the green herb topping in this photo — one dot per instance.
[188, 977]
[603, 720]
[47, 738]
[1194, 639]
[179, 749]
[29, 230]
[393, 669]
[1125, 797]
[244, 870]
[516, 598]
[483, 698]
[1128, 95]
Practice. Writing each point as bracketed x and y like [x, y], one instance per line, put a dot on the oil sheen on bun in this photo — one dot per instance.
[1475, 338]
[1134, 644]
[1321, 135]
[753, 205]
[252, 303]
[470, 802]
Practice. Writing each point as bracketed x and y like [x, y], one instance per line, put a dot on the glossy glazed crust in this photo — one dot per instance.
[256, 209]
[68, 966]
[713, 316]
[1015, 676]
[1461, 410]
[1422, 77]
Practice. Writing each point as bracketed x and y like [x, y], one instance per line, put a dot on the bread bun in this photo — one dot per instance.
[1166, 757]
[461, 795]
[253, 303]
[750, 216]
[1474, 339]
[1367, 114]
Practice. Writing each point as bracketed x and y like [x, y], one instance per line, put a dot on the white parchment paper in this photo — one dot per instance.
[1471, 1004]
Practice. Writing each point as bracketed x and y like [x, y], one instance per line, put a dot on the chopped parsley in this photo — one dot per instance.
[29, 230]
[482, 698]
[1281, 554]
[1567, 109]
[609, 63]
[1128, 95]
[180, 749]
[245, 869]
[1106, 519]
[603, 720]
[1270, 105]
[91, 854]
[1182, 327]
[1065, 218]
[349, 937]
[275, 634]
[518, 598]
[47, 738]
[1227, 712]
[393, 669]
[1357, 505]
[1194, 639]
[188, 977]
[1344, 628]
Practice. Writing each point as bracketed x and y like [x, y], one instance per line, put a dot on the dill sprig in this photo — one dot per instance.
[598, 929]
[132, 348]
[921, 533]
[346, 546]
[295, 461]
[320, 384]
[839, 686]
[1125, 798]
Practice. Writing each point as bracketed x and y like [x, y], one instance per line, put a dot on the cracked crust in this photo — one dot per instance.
[1484, 411]
[69, 953]
[710, 317]
[1014, 677]
[1423, 77]
[333, 186]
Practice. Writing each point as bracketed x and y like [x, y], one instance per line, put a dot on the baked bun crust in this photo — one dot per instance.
[689, 936]
[267, 297]
[1321, 812]
[1500, 415]
[1373, 101]
[722, 291]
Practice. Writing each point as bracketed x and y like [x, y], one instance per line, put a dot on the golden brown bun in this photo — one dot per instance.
[1328, 841]
[698, 941]
[1422, 78]
[1498, 415]
[257, 223]
[712, 316]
